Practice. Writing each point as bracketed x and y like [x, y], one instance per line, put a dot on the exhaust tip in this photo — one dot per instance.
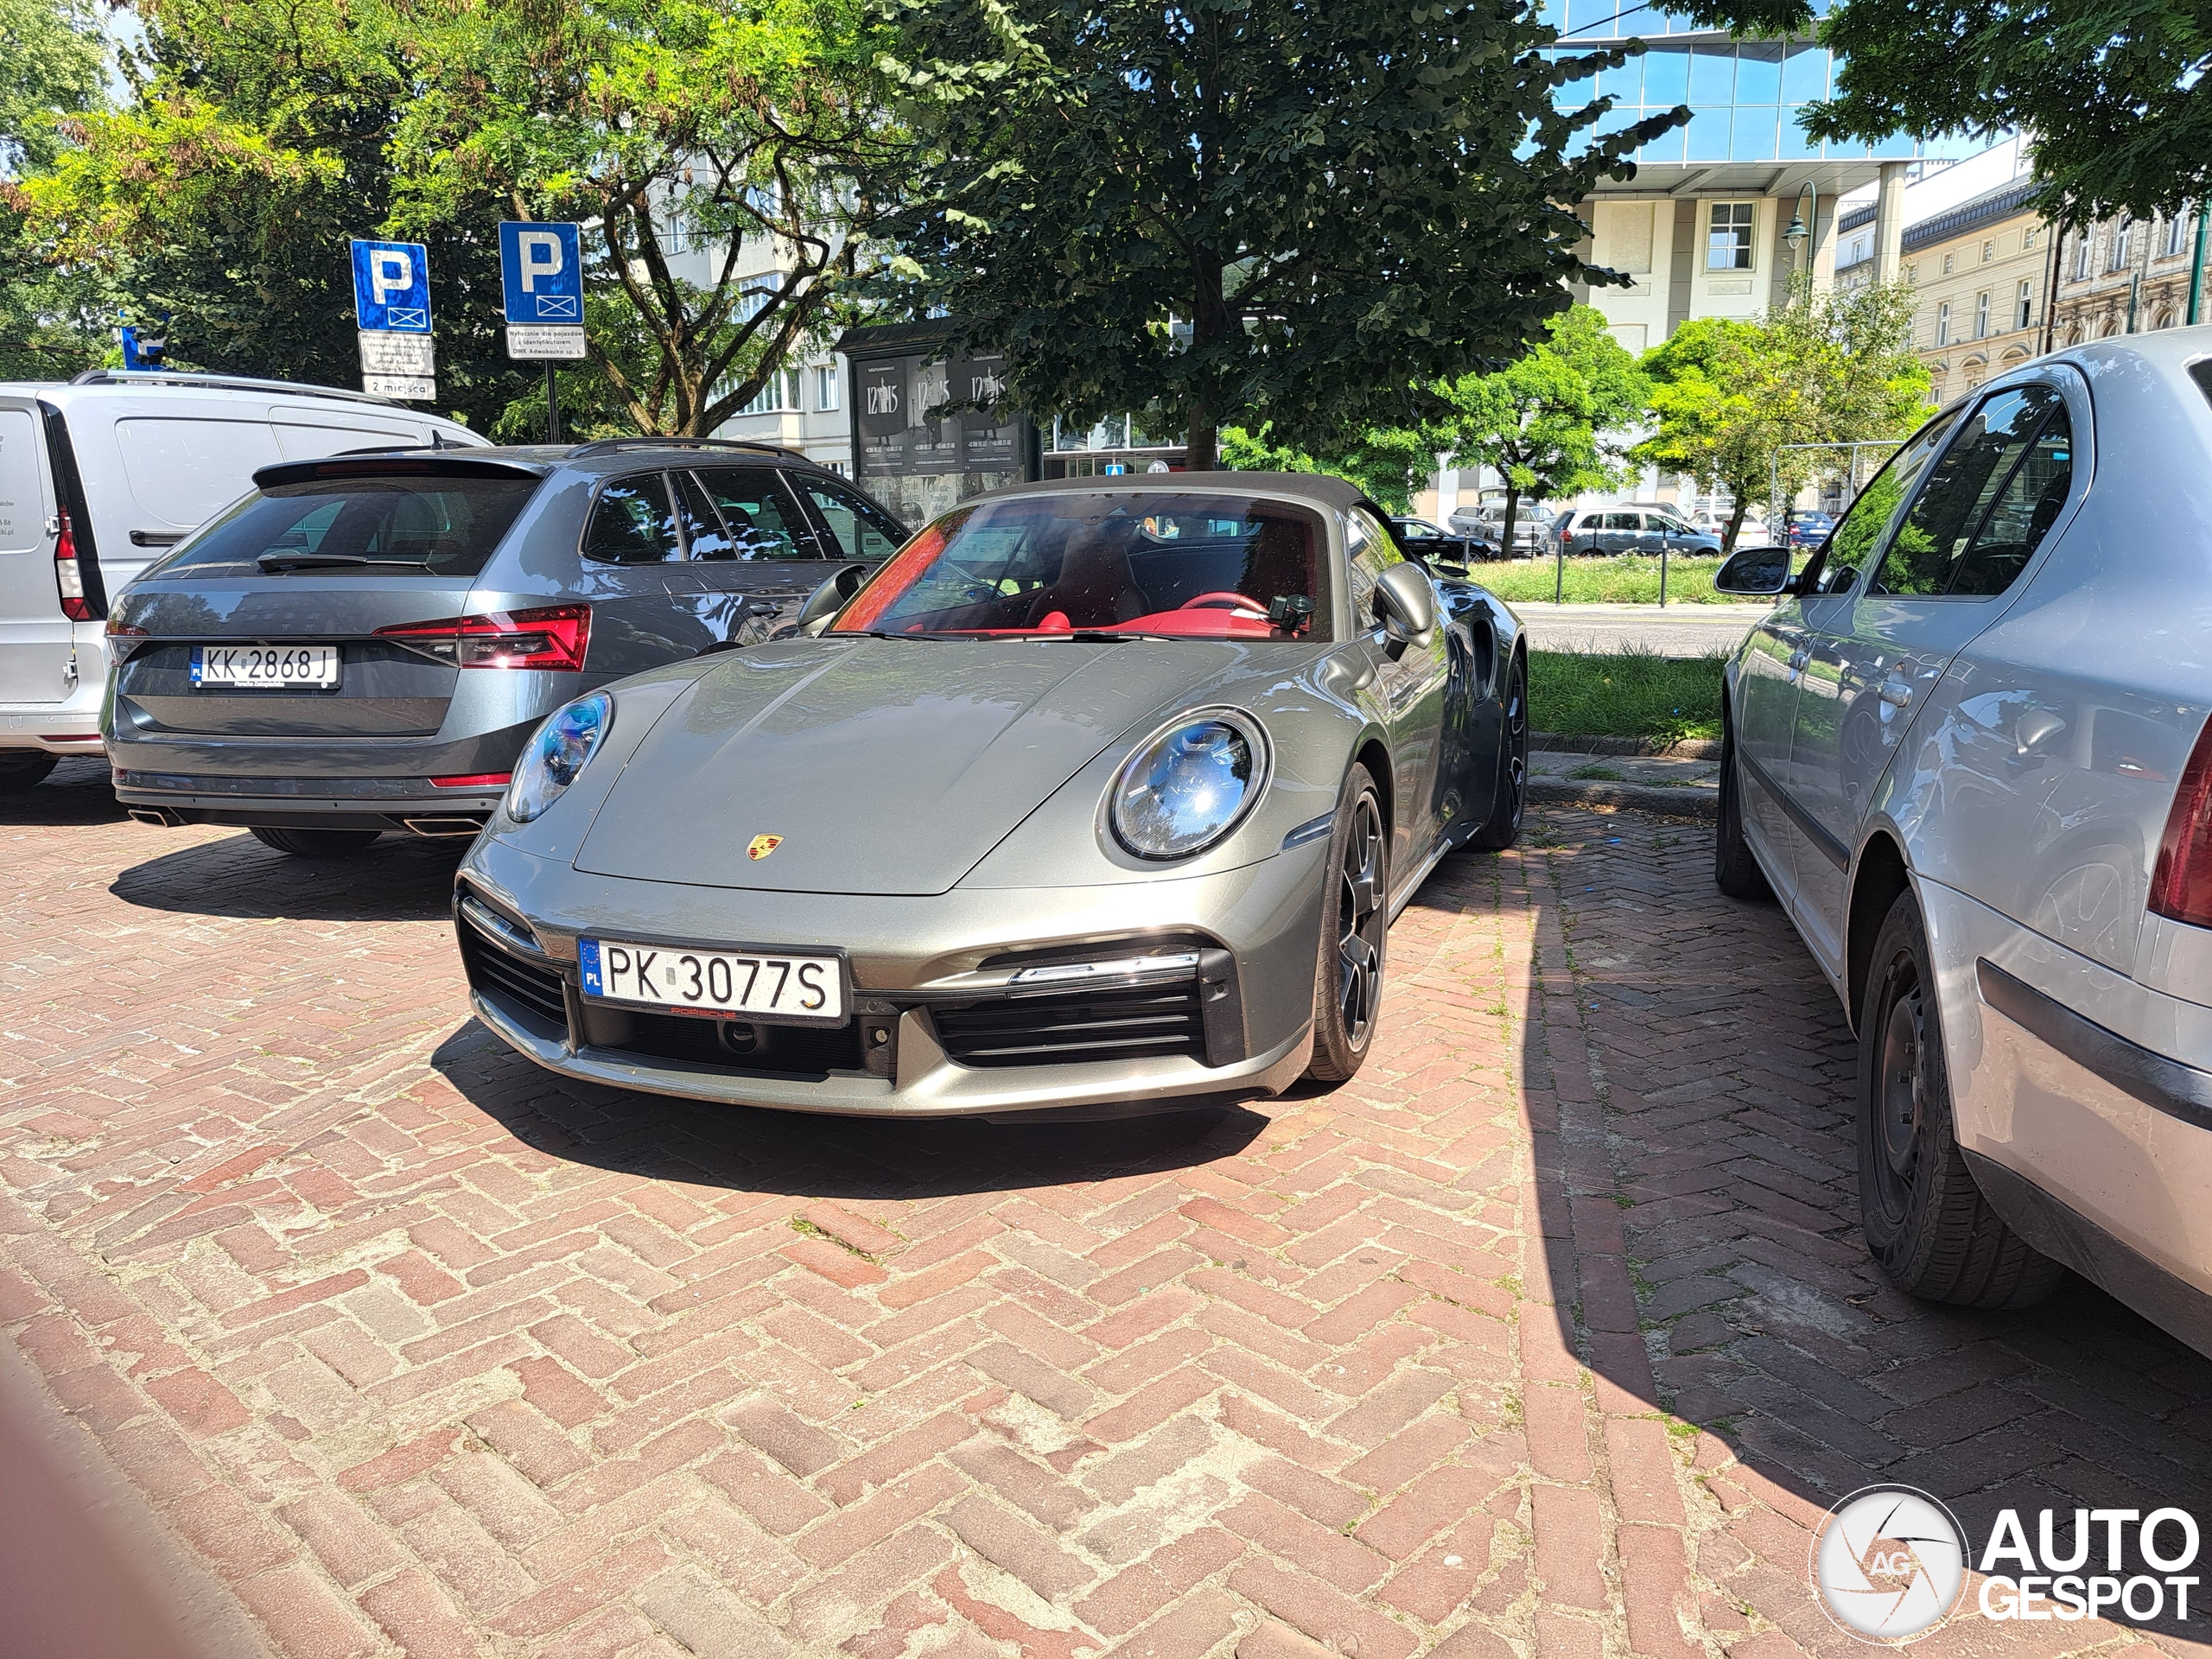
[444, 829]
[160, 817]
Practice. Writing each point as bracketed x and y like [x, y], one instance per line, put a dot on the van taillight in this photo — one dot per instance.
[68, 575]
[549, 637]
[2181, 885]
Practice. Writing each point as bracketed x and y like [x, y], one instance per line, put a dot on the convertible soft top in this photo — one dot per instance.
[1318, 488]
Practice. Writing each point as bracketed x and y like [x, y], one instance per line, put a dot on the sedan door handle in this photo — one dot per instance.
[1896, 693]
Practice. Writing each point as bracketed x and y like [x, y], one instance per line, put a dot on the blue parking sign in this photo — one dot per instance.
[391, 286]
[541, 271]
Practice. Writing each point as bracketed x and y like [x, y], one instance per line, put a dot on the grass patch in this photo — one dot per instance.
[1625, 694]
[1624, 579]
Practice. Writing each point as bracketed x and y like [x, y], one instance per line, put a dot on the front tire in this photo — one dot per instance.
[1503, 828]
[1926, 1224]
[1735, 872]
[317, 843]
[1355, 933]
[25, 770]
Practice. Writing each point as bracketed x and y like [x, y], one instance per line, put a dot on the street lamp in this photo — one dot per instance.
[1795, 235]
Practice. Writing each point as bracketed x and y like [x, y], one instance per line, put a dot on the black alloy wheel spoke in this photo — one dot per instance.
[1359, 924]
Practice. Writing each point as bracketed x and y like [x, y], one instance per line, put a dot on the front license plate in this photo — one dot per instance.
[768, 986]
[265, 667]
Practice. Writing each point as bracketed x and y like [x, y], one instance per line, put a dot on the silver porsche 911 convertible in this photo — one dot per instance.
[1098, 796]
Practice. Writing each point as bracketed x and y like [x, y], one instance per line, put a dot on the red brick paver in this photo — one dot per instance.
[1550, 1333]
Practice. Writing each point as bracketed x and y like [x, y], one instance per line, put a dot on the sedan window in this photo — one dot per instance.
[1965, 490]
[632, 523]
[763, 522]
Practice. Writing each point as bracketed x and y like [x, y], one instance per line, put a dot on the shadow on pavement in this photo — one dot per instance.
[400, 879]
[813, 1155]
[1699, 1083]
[76, 791]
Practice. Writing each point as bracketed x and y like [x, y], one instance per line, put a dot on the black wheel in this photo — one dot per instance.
[317, 843]
[25, 769]
[1735, 872]
[1503, 828]
[1355, 926]
[1926, 1224]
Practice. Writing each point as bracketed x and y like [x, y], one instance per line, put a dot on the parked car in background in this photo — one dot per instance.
[1487, 524]
[363, 643]
[1434, 546]
[1587, 531]
[102, 474]
[1806, 528]
[1101, 796]
[1969, 751]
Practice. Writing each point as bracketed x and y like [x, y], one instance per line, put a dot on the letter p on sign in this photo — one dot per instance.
[541, 258]
[391, 270]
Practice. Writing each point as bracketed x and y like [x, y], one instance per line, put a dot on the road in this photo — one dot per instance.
[1550, 1333]
[1678, 630]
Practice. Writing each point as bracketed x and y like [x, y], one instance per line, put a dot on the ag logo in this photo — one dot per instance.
[1889, 1564]
[762, 846]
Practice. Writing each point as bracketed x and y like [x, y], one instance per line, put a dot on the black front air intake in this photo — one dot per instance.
[1131, 1023]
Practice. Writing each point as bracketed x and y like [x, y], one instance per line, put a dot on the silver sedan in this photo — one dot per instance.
[1968, 750]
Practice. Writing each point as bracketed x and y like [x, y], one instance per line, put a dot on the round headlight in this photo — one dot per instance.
[1188, 784]
[557, 752]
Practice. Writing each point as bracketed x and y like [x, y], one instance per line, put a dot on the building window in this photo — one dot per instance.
[1943, 323]
[1988, 252]
[2121, 232]
[2081, 256]
[1946, 264]
[1728, 236]
[778, 396]
[2177, 235]
[825, 387]
[2027, 238]
[2023, 312]
[1981, 316]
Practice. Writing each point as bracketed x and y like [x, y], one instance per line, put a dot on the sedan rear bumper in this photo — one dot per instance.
[406, 803]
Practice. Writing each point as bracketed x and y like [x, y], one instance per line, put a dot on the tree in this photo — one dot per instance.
[735, 127]
[1259, 212]
[1386, 462]
[2112, 92]
[51, 322]
[1734, 400]
[1550, 423]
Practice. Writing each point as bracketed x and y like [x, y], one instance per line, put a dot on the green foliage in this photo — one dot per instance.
[1619, 579]
[1545, 421]
[52, 323]
[2113, 91]
[1253, 212]
[1388, 462]
[1625, 694]
[1730, 399]
[54, 57]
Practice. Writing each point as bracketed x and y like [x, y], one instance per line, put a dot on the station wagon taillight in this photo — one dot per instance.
[2181, 884]
[68, 575]
[548, 637]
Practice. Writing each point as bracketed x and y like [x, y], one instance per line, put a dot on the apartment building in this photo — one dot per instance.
[2124, 276]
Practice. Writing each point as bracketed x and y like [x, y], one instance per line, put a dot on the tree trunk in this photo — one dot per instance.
[1735, 524]
[1512, 507]
[1210, 322]
[1205, 451]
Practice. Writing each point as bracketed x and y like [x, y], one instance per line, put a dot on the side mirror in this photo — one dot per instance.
[831, 597]
[1755, 572]
[1407, 605]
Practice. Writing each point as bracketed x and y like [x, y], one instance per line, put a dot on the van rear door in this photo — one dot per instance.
[35, 637]
[181, 470]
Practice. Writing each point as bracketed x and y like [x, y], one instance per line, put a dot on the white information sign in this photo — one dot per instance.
[412, 388]
[410, 355]
[550, 341]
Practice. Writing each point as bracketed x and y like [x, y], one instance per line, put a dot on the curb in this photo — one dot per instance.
[1693, 748]
[1702, 805]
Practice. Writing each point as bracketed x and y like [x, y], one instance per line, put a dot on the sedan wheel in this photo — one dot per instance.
[1926, 1224]
[1355, 926]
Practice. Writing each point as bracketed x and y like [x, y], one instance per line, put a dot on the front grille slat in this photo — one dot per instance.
[1142, 1022]
[535, 987]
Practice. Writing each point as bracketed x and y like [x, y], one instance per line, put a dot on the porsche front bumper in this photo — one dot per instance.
[929, 974]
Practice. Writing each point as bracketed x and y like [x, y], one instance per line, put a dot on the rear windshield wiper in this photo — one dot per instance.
[334, 562]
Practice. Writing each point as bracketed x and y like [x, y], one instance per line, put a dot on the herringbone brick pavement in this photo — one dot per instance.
[1547, 1334]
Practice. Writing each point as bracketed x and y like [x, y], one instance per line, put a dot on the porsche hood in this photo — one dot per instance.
[875, 766]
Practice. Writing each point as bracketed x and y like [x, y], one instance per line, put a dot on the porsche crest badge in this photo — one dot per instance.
[762, 846]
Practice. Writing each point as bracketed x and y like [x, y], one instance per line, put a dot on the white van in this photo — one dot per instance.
[100, 477]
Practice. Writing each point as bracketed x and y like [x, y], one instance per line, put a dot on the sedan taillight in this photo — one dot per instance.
[548, 637]
[68, 575]
[2181, 884]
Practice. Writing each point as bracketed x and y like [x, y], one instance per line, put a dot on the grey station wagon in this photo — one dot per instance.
[364, 642]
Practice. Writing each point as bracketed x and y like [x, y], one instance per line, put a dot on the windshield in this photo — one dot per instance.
[446, 526]
[1186, 566]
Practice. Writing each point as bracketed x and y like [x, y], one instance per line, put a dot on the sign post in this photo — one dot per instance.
[542, 281]
[392, 304]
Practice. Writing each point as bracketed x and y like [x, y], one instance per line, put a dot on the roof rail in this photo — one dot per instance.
[229, 382]
[614, 445]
